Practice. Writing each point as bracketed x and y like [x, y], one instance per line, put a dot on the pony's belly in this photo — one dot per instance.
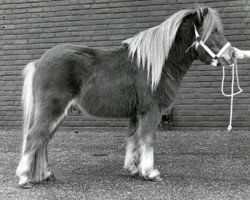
[109, 102]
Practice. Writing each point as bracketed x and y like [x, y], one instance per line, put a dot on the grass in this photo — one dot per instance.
[88, 165]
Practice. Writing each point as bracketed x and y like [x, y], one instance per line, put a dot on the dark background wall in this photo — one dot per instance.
[30, 27]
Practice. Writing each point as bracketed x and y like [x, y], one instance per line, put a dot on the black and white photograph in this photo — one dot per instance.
[125, 100]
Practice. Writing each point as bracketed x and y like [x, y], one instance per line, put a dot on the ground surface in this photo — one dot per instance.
[88, 165]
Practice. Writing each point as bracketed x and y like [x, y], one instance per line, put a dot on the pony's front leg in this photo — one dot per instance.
[148, 123]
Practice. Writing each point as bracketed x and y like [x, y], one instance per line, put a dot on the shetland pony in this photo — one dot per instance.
[136, 81]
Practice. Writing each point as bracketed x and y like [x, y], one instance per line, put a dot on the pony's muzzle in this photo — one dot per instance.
[227, 58]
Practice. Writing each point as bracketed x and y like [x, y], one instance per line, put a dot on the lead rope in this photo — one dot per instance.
[234, 68]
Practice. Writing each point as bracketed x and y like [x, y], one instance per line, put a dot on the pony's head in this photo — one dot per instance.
[209, 42]
[198, 30]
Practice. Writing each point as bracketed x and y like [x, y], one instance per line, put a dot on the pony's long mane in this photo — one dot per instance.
[151, 47]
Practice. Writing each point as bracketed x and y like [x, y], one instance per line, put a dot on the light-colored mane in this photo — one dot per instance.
[151, 47]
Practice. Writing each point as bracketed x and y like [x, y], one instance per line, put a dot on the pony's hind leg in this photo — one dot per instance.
[33, 166]
[132, 151]
[148, 123]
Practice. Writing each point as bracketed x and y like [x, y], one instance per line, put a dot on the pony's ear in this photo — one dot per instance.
[198, 18]
[200, 13]
[204, 11]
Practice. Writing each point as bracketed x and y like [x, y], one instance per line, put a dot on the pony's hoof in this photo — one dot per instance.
[26, 185]
[51, 178]
[157, 178]
[154, 175]
[132, 170]
[134, 173]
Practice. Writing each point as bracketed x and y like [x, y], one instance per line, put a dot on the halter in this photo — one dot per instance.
[214, 63]
[215, 57]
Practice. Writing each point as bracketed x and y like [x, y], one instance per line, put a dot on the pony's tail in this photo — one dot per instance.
[27, 98]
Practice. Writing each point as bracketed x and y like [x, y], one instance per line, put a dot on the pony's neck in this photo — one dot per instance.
[180, 58]
[176, 66]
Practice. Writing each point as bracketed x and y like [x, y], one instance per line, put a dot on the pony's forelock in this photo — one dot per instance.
[151, 47]
[211, 21]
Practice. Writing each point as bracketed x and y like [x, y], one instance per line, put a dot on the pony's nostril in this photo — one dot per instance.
[223, 59]
[233, 54]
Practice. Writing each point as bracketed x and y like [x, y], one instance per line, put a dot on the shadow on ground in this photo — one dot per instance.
[88, 165]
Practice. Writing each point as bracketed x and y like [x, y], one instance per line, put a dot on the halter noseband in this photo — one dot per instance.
[215, 57]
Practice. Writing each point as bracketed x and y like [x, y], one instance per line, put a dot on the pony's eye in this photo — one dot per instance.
[216, 31]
